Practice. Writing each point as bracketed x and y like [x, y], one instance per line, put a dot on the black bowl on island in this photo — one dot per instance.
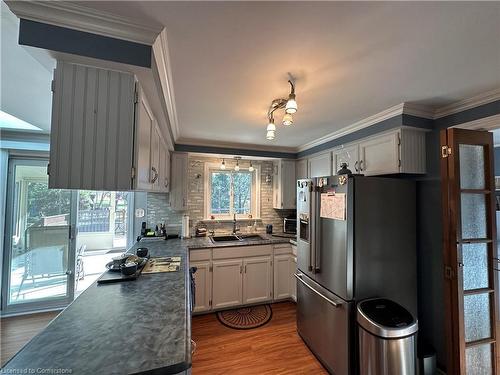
[142, 252]
[128, 268]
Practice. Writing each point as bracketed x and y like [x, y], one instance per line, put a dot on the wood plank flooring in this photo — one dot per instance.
[274, 348]
[15, 332]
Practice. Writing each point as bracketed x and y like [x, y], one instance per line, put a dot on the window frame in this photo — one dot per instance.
[254, 199]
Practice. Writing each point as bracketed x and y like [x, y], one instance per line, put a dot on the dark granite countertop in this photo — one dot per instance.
[206, 242]
[142, 326]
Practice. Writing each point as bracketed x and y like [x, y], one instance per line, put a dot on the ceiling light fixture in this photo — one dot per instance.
[251, 168]
[271, 129]
[223, 164]
[287, 119]
[237, 166]
[290, 107]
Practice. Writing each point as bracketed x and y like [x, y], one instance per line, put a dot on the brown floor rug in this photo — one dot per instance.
[246, 317]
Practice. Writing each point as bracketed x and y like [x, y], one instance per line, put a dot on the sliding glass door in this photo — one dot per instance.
[39, 254]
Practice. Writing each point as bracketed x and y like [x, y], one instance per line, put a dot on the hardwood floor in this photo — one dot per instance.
[274, 348]
[15, 332]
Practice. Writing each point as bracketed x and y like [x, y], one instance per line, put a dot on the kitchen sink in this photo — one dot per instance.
[228, 238]
[234, 238]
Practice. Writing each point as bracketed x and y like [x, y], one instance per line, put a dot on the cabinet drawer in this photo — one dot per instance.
[284, 248]
[241, 251]
[199, 254]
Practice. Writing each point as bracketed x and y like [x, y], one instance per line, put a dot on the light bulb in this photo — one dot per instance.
[270, 135]
[223, 164]
[271, 127]
[251, 168]
[287, 119]
[291, 104]
[237, 166]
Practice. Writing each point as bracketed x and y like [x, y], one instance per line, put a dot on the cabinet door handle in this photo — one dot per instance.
[155, 177]
[356, 166]
[361, 165]
[166, 182]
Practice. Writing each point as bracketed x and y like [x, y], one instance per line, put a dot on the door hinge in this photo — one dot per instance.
[132, 172]
[399, 163]
[399, 140]
[448, 272]
[445, 151]
[53, 86]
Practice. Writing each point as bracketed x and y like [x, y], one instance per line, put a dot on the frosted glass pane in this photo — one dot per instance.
[478, 360]
[475, 268]
[471, 166]
[473, 216]
[477, 317]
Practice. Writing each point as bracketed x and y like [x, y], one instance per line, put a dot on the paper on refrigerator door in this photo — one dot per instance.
[333, 206]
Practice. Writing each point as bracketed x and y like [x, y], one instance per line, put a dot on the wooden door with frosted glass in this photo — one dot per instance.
[470, 253]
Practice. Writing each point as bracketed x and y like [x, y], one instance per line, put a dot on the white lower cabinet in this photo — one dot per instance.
[235, 276]
[257, 279]
[203, 283]
[282, 276]
[227, 283]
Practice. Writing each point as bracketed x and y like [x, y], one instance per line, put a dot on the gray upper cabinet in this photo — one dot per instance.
[301, 168]
[320, 165]
[179, 182]
[346, 154]
[104, 135]
[284, 182]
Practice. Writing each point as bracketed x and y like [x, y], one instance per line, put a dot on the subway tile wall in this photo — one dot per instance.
[158, 209]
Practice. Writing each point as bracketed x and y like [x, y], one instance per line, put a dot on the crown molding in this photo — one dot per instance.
[485, 123]
[243, 146]
[381, 116]
[462, 105]
[162, 59]
[67, 14]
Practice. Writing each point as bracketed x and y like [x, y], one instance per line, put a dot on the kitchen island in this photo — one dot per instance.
[135, 327]
[141, 326]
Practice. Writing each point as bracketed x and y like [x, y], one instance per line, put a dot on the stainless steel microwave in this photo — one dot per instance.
[290, 225]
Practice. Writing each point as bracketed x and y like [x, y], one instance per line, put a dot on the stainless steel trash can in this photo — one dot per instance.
[387, 338]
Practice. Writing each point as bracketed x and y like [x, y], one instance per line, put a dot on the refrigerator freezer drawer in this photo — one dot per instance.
[323, 323]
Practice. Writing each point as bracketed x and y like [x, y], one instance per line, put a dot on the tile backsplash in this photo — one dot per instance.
[158, 209]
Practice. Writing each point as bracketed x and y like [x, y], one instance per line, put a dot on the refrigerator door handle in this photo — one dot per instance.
[317, 233]
[299, 277]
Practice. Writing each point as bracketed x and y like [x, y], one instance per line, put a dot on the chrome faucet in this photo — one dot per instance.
[235, 227]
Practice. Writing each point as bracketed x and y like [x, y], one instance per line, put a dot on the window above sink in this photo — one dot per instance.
[229, 192]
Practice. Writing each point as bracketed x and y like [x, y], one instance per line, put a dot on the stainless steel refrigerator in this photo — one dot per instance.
[356, 239]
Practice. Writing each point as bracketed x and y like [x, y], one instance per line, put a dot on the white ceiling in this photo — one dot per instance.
[350, 59]
[25, 76]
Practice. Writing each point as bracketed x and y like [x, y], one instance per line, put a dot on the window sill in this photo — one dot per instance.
[258, 219]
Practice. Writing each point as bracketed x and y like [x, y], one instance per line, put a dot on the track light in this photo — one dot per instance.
[251, 168]
[223, 164]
